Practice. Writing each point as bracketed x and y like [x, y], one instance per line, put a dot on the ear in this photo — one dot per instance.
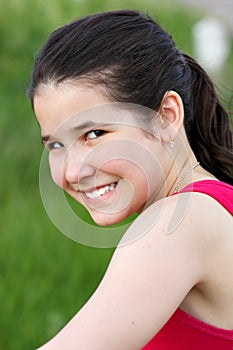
[172, 116]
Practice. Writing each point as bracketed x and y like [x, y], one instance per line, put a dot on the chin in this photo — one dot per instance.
[102, 219]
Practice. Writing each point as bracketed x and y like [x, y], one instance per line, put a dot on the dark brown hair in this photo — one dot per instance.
[137, 62]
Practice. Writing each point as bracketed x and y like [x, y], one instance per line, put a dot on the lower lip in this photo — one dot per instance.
[103, 197]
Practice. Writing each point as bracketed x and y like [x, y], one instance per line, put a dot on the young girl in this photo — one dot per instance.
[133, 125]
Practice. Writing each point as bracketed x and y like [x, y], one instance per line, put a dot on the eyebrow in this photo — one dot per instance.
[84, 126]
[46, 138]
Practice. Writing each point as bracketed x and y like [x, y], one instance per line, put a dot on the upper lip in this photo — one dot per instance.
[91, 189]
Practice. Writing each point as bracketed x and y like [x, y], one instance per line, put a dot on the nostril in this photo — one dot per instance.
[74, 186]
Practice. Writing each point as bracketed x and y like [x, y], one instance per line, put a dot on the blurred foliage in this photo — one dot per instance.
[45, 277]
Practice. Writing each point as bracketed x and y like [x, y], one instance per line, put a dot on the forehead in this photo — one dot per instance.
[67, 106]
[55, 103]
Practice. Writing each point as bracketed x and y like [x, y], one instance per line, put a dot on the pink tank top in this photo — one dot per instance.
[183, 331]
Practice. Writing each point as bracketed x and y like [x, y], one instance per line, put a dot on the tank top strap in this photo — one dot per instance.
[218, 190]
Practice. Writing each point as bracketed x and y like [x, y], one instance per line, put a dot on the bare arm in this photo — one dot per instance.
[145, 283]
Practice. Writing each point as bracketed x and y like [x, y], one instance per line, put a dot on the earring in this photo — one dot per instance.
[171, 143]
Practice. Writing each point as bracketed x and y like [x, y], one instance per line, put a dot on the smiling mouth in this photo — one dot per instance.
[98, 192]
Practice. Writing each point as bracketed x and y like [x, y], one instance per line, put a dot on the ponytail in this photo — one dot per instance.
[209, 132]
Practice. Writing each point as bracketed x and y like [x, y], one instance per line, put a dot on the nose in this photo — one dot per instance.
[75, 167]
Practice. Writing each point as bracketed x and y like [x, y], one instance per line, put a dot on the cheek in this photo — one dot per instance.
[134, 176]
[125, 169]
[121, 156]
[56, 169]
[141, 173]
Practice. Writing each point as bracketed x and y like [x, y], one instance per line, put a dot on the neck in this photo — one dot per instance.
[184, 175]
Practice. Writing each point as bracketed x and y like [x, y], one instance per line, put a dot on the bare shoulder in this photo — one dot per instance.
[191, 214]
[184, 231]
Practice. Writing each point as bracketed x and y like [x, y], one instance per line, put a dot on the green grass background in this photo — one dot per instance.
[45, 277]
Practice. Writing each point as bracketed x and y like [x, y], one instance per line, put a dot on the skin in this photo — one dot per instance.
[114, 318]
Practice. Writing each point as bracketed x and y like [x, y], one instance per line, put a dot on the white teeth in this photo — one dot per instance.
[101, 191]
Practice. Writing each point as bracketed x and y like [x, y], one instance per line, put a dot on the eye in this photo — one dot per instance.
[54, 145]
[94, 134]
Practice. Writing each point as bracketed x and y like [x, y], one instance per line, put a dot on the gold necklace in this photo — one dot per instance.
[184, 175]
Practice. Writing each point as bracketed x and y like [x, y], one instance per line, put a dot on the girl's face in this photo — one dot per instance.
[98, 152]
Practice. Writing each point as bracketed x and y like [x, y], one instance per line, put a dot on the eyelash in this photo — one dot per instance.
[98, 132]
[51, 146]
